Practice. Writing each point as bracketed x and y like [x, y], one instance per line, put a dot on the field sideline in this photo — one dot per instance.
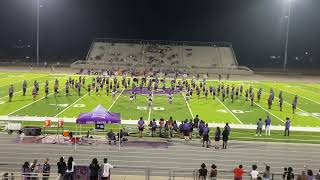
[211, 110]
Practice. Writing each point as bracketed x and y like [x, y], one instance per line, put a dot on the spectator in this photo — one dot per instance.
[268, 124]
[310, 174]
[201, 126]
[186, 129]
[203, 172]
[267, 173]
[111, 137]
[285, 173]
[290, 175]
[213, 172]
[105, 169]
[217, 137]
[26, 171]
[196, 121]
[181, 129]
[302, 176]
[227, 126]
[225, 138]
[170, 127]
[34, 169]
[94, 169]
[238, 173]
[191, 129]
[153, 127]
[70, 168]
[206, 131]
[287, 127]
[141, 126]
[62, 167]
[318, 175]
[162, 126]
[254, 173]
[259, 127]
[46, 170]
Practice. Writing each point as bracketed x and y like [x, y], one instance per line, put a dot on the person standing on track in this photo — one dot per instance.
[206, 131]
[141, 127]
[268, 125]
[259, 127]
[225, 138]
[287, 127]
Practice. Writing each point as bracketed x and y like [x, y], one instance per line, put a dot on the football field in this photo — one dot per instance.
[210, 109]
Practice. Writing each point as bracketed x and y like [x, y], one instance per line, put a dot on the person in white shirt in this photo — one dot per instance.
[70, 169]
[105, 169]
[254, 173]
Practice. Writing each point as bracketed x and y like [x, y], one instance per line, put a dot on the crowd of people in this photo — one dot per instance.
[239, 173]
[66, 169]
[187, 129]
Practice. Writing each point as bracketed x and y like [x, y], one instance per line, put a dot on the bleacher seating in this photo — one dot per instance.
[190, 57]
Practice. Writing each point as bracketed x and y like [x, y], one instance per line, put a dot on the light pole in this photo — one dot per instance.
[287, 36]
[38, 11]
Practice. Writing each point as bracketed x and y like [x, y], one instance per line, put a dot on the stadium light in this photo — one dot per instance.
[38, 14]
[287, 34]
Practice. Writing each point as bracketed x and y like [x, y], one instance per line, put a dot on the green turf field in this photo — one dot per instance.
[211, 110]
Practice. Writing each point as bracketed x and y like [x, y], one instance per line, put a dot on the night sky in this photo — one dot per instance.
[256, 28]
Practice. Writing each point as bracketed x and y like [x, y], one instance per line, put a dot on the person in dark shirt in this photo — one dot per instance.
[203, 172]
[111, 137]
[24, 87]
[94, 169]
[196, 121]
[206, 131]
[10, 92]
[46, 170]
[62, 167]
[225, 138]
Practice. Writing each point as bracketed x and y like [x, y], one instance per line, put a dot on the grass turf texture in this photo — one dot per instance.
[210, 110]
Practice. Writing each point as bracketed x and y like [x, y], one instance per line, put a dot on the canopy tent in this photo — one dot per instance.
[99, 115]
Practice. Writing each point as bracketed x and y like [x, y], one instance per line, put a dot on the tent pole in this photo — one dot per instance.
[119, 136]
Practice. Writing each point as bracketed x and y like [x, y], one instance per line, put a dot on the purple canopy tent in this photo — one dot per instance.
[99, 115]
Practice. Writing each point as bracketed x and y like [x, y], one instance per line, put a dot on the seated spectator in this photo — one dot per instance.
[111, 137]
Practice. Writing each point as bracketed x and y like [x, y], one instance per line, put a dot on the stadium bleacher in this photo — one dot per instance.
[188, 57]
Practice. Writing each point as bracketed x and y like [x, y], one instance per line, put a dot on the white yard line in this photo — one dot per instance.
[115, 100]
[299, 95]
[217, 98]
[71, 105]
[7, 84]
[269, 112]
[27, 105]
[187, 105]
[310, 114]
[18, 92]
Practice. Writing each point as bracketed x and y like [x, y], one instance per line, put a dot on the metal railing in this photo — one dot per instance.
[134, 173]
